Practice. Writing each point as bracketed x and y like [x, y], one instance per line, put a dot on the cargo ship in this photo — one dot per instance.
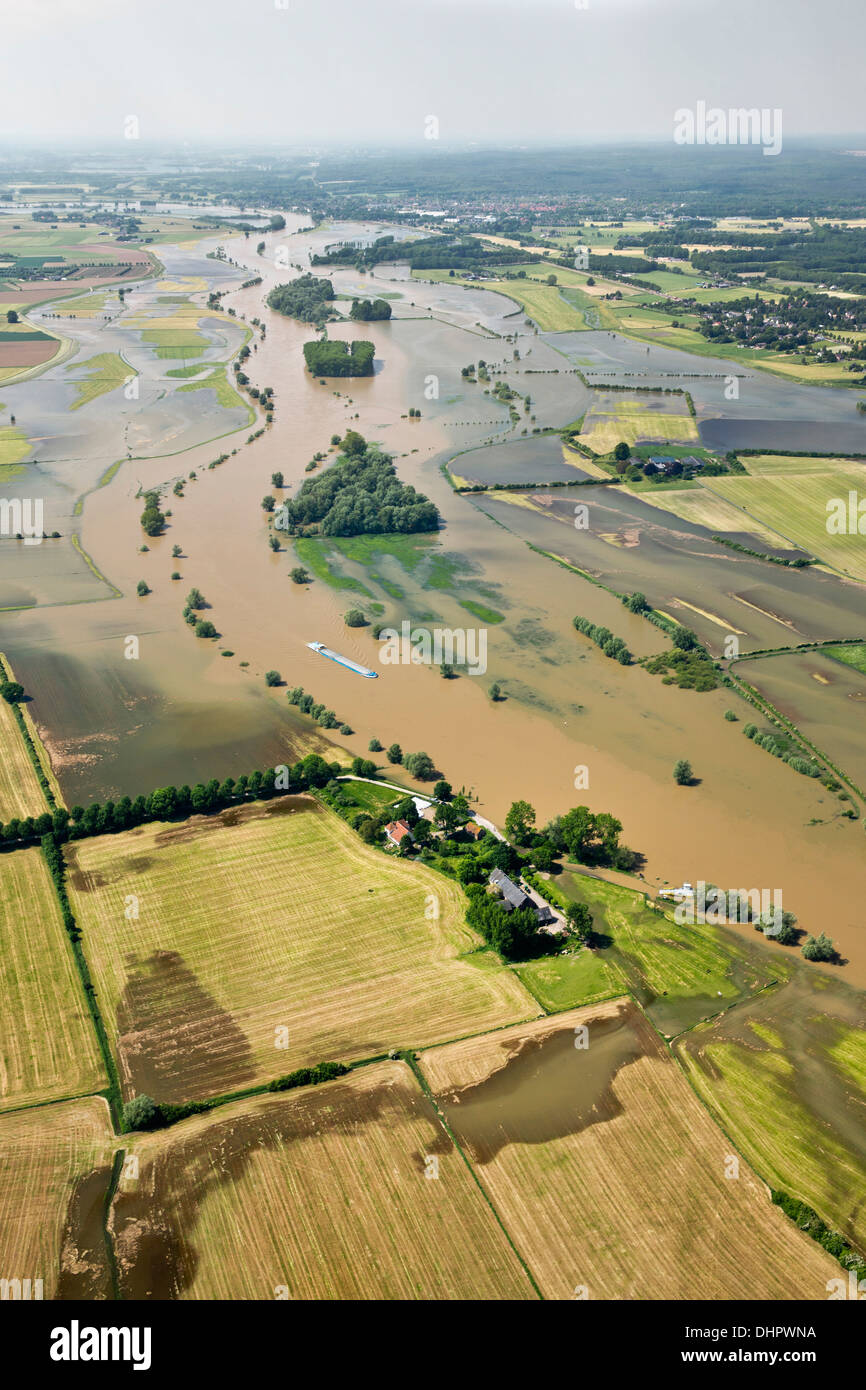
[343, 660]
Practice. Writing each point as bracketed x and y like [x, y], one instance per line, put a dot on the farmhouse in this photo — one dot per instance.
[396, 832]
[514, 898]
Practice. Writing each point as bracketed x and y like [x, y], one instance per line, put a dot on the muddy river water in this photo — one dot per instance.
[182, 712]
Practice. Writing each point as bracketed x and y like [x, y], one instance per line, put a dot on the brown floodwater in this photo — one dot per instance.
[182, 712]
[546, 1086]
[84, 1268]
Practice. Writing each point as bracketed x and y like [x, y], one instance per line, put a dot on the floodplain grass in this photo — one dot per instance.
[88, 306]
[542, 303]
[268, 917]
[681, 974]
[804, 1140]
[346, 1191]
[176, 334]
[798, 512]
[855, 655]
[226, 395]
[315, 555]
[369, 796]
[563, 982]
[14, 446]
[48, 1048]
[606, 1170]
[650, 327]
[46, 1152]
[105, 372]
[194, 369]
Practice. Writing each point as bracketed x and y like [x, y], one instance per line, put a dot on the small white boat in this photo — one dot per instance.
[343, 660]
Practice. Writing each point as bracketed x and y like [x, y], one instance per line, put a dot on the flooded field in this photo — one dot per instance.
[530, 461]
[784, 1074]
[316, 1195]
[628, 544]
[559, 1115]
[824, 698]
[181, 711]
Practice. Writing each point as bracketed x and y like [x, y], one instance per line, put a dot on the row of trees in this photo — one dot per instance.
[152, 518]
[171, 803]
[781, 747]
[613, 647]
[324, 717]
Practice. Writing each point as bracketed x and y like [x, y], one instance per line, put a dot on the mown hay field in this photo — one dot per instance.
[791, 464]
[608, 1173]
[53, 1157]
[704, 508]
[48, 1045]
[542, 303]
[321, 1193]
[268, 938]
[799, 510]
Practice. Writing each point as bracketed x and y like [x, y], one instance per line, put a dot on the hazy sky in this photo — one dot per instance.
[294, 72]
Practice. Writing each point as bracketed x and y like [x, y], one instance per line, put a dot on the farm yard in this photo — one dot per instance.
[348, 1191]
[344, 954]
[48, 1047]
[557, 1135]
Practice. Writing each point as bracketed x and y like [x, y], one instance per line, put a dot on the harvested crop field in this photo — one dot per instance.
[636, 420]
[796, 506]
[53, 1181]
[48, 1045]
[706, 509]
[28, 352]
[269, 938]
[317, 1194]
[20, 791]
[607, 1172]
